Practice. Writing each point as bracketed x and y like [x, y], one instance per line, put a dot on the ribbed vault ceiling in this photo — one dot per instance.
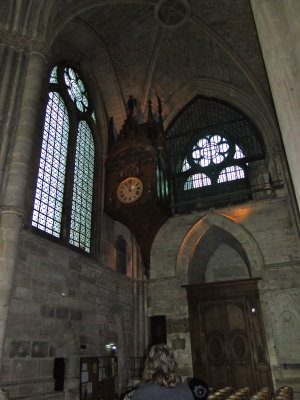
[132, 48]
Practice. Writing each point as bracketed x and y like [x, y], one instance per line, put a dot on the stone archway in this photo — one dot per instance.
[200, 228]
[218, 256]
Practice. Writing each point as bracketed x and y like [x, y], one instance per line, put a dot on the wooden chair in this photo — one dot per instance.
[285, 391]
[213, 397]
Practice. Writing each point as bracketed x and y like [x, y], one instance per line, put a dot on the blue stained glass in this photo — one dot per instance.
[44, 217]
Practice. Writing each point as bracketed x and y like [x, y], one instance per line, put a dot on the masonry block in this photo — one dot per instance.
[19, 349]
[47, 311]
[39, 349]
[62, 312]
[76, 315]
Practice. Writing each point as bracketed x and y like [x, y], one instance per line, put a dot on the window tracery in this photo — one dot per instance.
[64, 190]
[213, 147]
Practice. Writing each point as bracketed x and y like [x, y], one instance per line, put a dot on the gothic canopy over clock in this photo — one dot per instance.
[137, 185]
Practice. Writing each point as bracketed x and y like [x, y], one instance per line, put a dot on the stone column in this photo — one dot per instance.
[25, 83]
[278, 29]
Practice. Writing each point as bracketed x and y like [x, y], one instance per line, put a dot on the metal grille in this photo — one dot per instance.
[81, 216]
[48, 204]
[212, 148]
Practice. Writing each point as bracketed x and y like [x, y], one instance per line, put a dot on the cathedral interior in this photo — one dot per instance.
[150, 193]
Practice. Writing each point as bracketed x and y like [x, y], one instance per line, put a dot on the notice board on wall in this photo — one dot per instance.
[98, 376]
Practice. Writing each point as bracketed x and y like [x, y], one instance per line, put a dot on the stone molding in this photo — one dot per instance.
[12, 210]
[196, 232]
[260, 114]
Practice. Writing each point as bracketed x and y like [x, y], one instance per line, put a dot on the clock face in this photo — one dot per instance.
[130, 190]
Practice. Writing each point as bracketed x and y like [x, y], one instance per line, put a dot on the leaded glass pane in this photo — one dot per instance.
[210, 150]
[185, 165]
[81, 215]
[197, 181]
[53, 77]
[48, 203]
[76, 89]
[238, 153]
[231, 174]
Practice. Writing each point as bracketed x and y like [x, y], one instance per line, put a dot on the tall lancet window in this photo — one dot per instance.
[65, 183]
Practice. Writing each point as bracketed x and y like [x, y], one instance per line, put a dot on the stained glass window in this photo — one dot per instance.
[48, 203]
[213, 147]
[208, 151]
[54, 190]
[81, 216]
[231, 174]
[185, 165]
[76, 89]
[196, 181]
[53, 77]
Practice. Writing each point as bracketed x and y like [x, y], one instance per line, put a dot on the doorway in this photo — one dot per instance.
[227, 335]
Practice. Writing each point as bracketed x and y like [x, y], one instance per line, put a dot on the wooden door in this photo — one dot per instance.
[227, 336]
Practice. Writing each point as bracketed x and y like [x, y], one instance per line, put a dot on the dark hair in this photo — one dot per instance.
[161, 366]
[199, 388]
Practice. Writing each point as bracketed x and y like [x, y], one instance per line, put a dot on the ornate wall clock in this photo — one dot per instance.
[130, 190]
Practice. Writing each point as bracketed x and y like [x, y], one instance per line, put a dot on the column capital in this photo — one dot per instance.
[25, 43]
[19, 212]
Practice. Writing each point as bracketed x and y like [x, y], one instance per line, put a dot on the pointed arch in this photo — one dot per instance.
[201, 227]
[259, 113]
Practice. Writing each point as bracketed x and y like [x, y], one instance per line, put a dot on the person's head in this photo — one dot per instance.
[161, 366]
[199, 388]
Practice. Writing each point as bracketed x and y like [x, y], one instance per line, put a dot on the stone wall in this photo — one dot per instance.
[63, 299]
[265, 231]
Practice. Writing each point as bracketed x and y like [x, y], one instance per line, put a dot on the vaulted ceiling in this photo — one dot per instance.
[177, 48]
[169, 46]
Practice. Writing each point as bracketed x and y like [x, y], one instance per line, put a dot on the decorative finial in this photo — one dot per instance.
[150, 115]
[131, 103]
[159, 107]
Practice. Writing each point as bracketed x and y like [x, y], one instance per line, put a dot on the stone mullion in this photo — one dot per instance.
[9, 100]
[12, 207]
